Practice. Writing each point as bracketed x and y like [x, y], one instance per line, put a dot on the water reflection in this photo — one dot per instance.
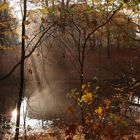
[32, 125]
[136, 100]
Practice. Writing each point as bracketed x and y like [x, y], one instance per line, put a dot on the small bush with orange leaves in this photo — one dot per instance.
[101, 117]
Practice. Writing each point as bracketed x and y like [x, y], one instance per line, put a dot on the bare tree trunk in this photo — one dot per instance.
[108, 33]
[108, 42]
[46, 2]
[21, 90]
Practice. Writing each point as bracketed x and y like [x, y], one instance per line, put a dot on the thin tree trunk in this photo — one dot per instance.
[108, 34]
[21, 88]
[46, 2]
[108, 42]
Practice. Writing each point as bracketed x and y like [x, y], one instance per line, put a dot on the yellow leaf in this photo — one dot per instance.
[5, 48]
[3, 7]
[87, 98]
[99, 111]
[14, 32]
[44, 10]
[83, 86]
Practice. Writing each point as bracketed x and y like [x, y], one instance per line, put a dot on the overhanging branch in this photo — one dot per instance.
[28, 55]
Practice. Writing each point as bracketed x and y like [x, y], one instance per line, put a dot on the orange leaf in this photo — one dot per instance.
[70, 109]
[107, 102]
[96, 127]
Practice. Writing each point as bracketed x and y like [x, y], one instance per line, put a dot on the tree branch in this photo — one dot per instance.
[103, 23]
[28, 55]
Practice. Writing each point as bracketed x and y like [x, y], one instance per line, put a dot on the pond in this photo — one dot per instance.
[30, 123]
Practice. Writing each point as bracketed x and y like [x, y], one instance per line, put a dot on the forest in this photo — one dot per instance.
[69, 69]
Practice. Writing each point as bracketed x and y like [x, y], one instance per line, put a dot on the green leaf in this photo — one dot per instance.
[3, 7]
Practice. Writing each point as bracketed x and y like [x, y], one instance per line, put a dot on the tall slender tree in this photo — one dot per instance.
[21, 88]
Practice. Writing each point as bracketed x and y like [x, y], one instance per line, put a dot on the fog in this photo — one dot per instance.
[49, 78]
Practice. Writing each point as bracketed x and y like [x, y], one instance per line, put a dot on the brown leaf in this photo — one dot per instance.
[96, 127]
[69, 138]
[70, 109]
[71, 129]
[110, 131]
[30, 71]
[26, 22]
[43, 20]
[25, 37]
